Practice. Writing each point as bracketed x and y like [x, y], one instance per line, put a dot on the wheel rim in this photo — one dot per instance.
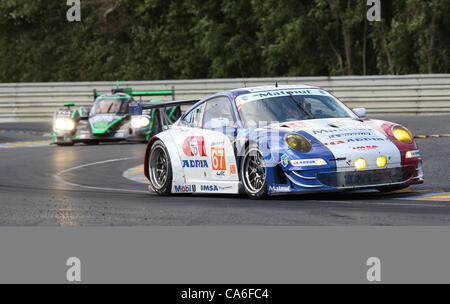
[254, 171]
[158, 167]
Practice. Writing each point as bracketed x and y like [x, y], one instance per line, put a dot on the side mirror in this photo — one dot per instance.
[361, 112]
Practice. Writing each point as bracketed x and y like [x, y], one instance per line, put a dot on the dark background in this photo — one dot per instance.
[185, 39]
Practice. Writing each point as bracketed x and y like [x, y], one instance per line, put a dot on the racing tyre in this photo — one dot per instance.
[253, 173]
[160, 169]
[392, 188]
[64, 144]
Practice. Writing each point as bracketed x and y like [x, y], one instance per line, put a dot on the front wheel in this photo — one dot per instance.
[253, 173]
[160, 169]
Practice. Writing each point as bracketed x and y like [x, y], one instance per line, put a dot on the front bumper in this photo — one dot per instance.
[312, 181]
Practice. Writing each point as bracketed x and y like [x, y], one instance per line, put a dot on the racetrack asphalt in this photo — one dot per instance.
[84, 186]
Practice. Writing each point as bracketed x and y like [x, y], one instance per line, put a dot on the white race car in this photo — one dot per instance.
[278, 140]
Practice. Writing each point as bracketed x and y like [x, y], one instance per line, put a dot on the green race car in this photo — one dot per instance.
[109, 119]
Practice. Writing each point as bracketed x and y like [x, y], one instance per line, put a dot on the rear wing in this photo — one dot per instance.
[136, 108]
[140, 94]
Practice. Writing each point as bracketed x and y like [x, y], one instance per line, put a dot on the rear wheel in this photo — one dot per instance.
[160, 169]
[253, 173]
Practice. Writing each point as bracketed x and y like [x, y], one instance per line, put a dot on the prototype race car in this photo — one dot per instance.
[279, 140]
[109, 119]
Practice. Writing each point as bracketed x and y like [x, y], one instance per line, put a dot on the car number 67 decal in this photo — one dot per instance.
[218, 159]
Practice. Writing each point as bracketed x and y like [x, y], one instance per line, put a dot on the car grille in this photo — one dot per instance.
[366, 178]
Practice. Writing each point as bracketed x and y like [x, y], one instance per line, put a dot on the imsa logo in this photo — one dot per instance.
[209, 188]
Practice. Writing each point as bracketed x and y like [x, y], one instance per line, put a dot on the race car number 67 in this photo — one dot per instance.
[218, 158]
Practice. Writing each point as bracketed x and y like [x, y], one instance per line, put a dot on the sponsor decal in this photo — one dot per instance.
[354, 140]
[101, 124]
[195, 164]
[194, 146]
[295, 124]
[282, 93]
[218, 143]
[218, 159]
[185, 188]
[308, 162]
[226, 187]
[262, 94]
[365, 148]
[340, 130]
[220, 173]
[413, 154]
[353, 134]
[233, 170]
[284, 160]
[209, 188]
[278, 189]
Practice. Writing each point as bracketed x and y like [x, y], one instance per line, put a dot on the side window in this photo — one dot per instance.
[218, 109]
[194, 117]
[186, 121]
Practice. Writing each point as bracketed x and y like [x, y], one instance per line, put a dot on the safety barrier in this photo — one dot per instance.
[408, 94]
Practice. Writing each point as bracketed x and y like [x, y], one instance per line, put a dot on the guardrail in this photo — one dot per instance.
[408, 94]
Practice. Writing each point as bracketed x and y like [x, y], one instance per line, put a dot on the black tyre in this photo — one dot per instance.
[253, 173]
[392, 188]
[64, 144]
[160, 169]
[60, 143]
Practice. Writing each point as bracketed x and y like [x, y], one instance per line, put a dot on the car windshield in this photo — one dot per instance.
[105, 105]
[290, 107]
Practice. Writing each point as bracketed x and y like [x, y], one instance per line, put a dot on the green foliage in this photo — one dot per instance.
[181, 39]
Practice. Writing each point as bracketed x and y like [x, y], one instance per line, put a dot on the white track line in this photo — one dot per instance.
[60, 179]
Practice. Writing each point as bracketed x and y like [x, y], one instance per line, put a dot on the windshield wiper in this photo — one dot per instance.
[109, 108]
[302, 106]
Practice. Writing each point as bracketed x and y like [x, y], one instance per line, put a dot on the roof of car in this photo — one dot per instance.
[241, 91]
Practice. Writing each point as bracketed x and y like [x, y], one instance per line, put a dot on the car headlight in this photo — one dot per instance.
[402, 134]
[298, 143]
[360, 163]
[139, 122]
[64, 124]
[381, 161]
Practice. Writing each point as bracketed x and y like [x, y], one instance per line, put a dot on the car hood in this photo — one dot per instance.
[100, 123]
[347, 139]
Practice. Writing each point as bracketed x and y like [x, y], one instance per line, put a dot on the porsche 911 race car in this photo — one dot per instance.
[109, 119]
[279, 140]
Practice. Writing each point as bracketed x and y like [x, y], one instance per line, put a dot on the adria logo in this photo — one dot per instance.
[194, 146]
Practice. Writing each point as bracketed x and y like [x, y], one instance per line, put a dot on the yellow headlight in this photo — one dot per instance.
[360, 163]
[402, 134]
[64, 124]
[381, 161]
[298, 143]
